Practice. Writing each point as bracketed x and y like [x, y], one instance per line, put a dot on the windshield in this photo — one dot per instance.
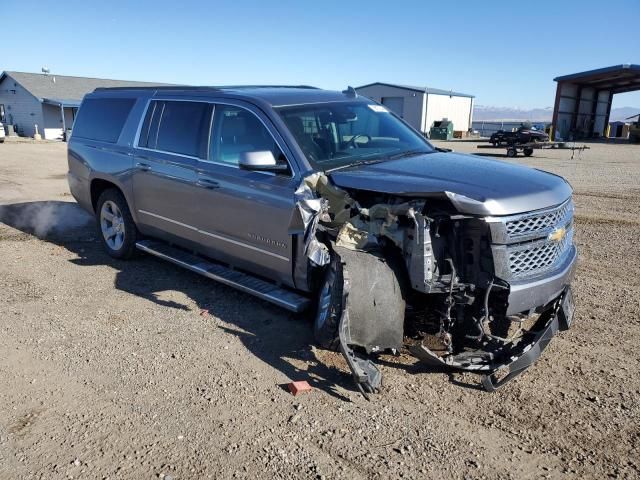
[336, 135]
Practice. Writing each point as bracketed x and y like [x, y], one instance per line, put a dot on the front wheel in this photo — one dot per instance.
[327, 320]
[528, 152]
[116, 227]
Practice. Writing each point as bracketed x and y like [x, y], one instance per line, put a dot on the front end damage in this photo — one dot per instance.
[461, 291]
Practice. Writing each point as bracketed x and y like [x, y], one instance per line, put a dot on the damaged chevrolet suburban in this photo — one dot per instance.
[328, 202]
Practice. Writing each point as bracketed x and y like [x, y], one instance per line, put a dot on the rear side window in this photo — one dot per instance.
[102, 119]
[176, 127]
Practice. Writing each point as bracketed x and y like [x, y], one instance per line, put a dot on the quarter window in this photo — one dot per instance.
[150, 124]
[102, 119]
[235, 131]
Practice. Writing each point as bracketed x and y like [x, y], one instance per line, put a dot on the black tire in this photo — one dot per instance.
[511, 152]
[528, 152]
[127, 248]
[329, 311]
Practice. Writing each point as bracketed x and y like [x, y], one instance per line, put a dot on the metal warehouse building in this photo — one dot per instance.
[583, 100]
[421, 106]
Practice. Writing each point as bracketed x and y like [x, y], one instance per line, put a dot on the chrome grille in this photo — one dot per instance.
[522, 245]
[536, 257]
[538, 222]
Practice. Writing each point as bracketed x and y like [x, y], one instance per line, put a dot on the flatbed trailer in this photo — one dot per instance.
[528, 148]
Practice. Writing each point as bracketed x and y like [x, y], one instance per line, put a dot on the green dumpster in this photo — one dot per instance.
[441, 130]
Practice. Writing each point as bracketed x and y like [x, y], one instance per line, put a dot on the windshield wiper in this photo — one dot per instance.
[408, 153]
[357, 164]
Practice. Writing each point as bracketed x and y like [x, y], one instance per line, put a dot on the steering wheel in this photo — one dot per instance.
[352, 143]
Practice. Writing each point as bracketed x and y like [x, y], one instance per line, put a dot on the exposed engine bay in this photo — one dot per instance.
[398, 272]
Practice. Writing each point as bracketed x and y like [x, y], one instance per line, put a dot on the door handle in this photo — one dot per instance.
[145, 167]
[206, 183]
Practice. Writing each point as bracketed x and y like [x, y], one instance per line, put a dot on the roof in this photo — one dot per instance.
[69, 91]
[61, 102]
[65, 87]
[273, 95]
[434, 91]
[618, 78]
[283, 96]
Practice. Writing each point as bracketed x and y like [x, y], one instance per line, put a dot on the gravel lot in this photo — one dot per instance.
[111, 370]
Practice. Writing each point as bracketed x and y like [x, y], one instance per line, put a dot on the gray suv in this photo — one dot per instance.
[327, 202]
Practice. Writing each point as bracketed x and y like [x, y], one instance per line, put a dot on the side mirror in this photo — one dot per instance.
[261, 161]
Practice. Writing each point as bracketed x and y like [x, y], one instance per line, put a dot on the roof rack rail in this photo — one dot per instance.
[204, 88]
[239, 87]
[157, 87]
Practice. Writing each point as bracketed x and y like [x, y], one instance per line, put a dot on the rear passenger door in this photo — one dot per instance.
[244, 215]
[172, 139]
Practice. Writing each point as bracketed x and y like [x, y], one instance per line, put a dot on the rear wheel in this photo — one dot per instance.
[528, 152]
[511, 152]
[116, 227]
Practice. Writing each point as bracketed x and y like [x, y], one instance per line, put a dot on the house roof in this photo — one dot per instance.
[61, 102]
[434, 91]
[65, 87]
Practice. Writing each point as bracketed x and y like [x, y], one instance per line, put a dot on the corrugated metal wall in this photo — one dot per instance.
[457, 109]
[581, 111]
[420, 110]
[413, 101]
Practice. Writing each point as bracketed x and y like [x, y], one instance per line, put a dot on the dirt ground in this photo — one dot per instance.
[110, 369]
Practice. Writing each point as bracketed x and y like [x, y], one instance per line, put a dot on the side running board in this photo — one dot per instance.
[244, 282]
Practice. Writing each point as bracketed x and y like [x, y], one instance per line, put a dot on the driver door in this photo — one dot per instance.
[244, 215]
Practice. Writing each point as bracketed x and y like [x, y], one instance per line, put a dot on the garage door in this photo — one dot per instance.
[395, 104]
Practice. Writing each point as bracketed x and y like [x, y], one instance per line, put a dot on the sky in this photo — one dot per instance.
[506, 53]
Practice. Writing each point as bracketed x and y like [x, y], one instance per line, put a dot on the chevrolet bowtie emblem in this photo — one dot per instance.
[558, 234]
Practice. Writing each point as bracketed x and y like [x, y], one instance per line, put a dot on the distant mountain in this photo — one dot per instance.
[623, 113]
[483, 112]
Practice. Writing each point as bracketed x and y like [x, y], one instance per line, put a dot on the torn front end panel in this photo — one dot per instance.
[417, 272]
[372, 313]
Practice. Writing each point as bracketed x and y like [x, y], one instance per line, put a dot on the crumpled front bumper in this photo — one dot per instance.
[559, 314]
[560, 320]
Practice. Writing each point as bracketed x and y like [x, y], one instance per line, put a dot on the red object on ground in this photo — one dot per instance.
[299, 387]
[204, 313]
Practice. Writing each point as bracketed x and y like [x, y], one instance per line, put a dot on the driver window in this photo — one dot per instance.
[235, 131]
